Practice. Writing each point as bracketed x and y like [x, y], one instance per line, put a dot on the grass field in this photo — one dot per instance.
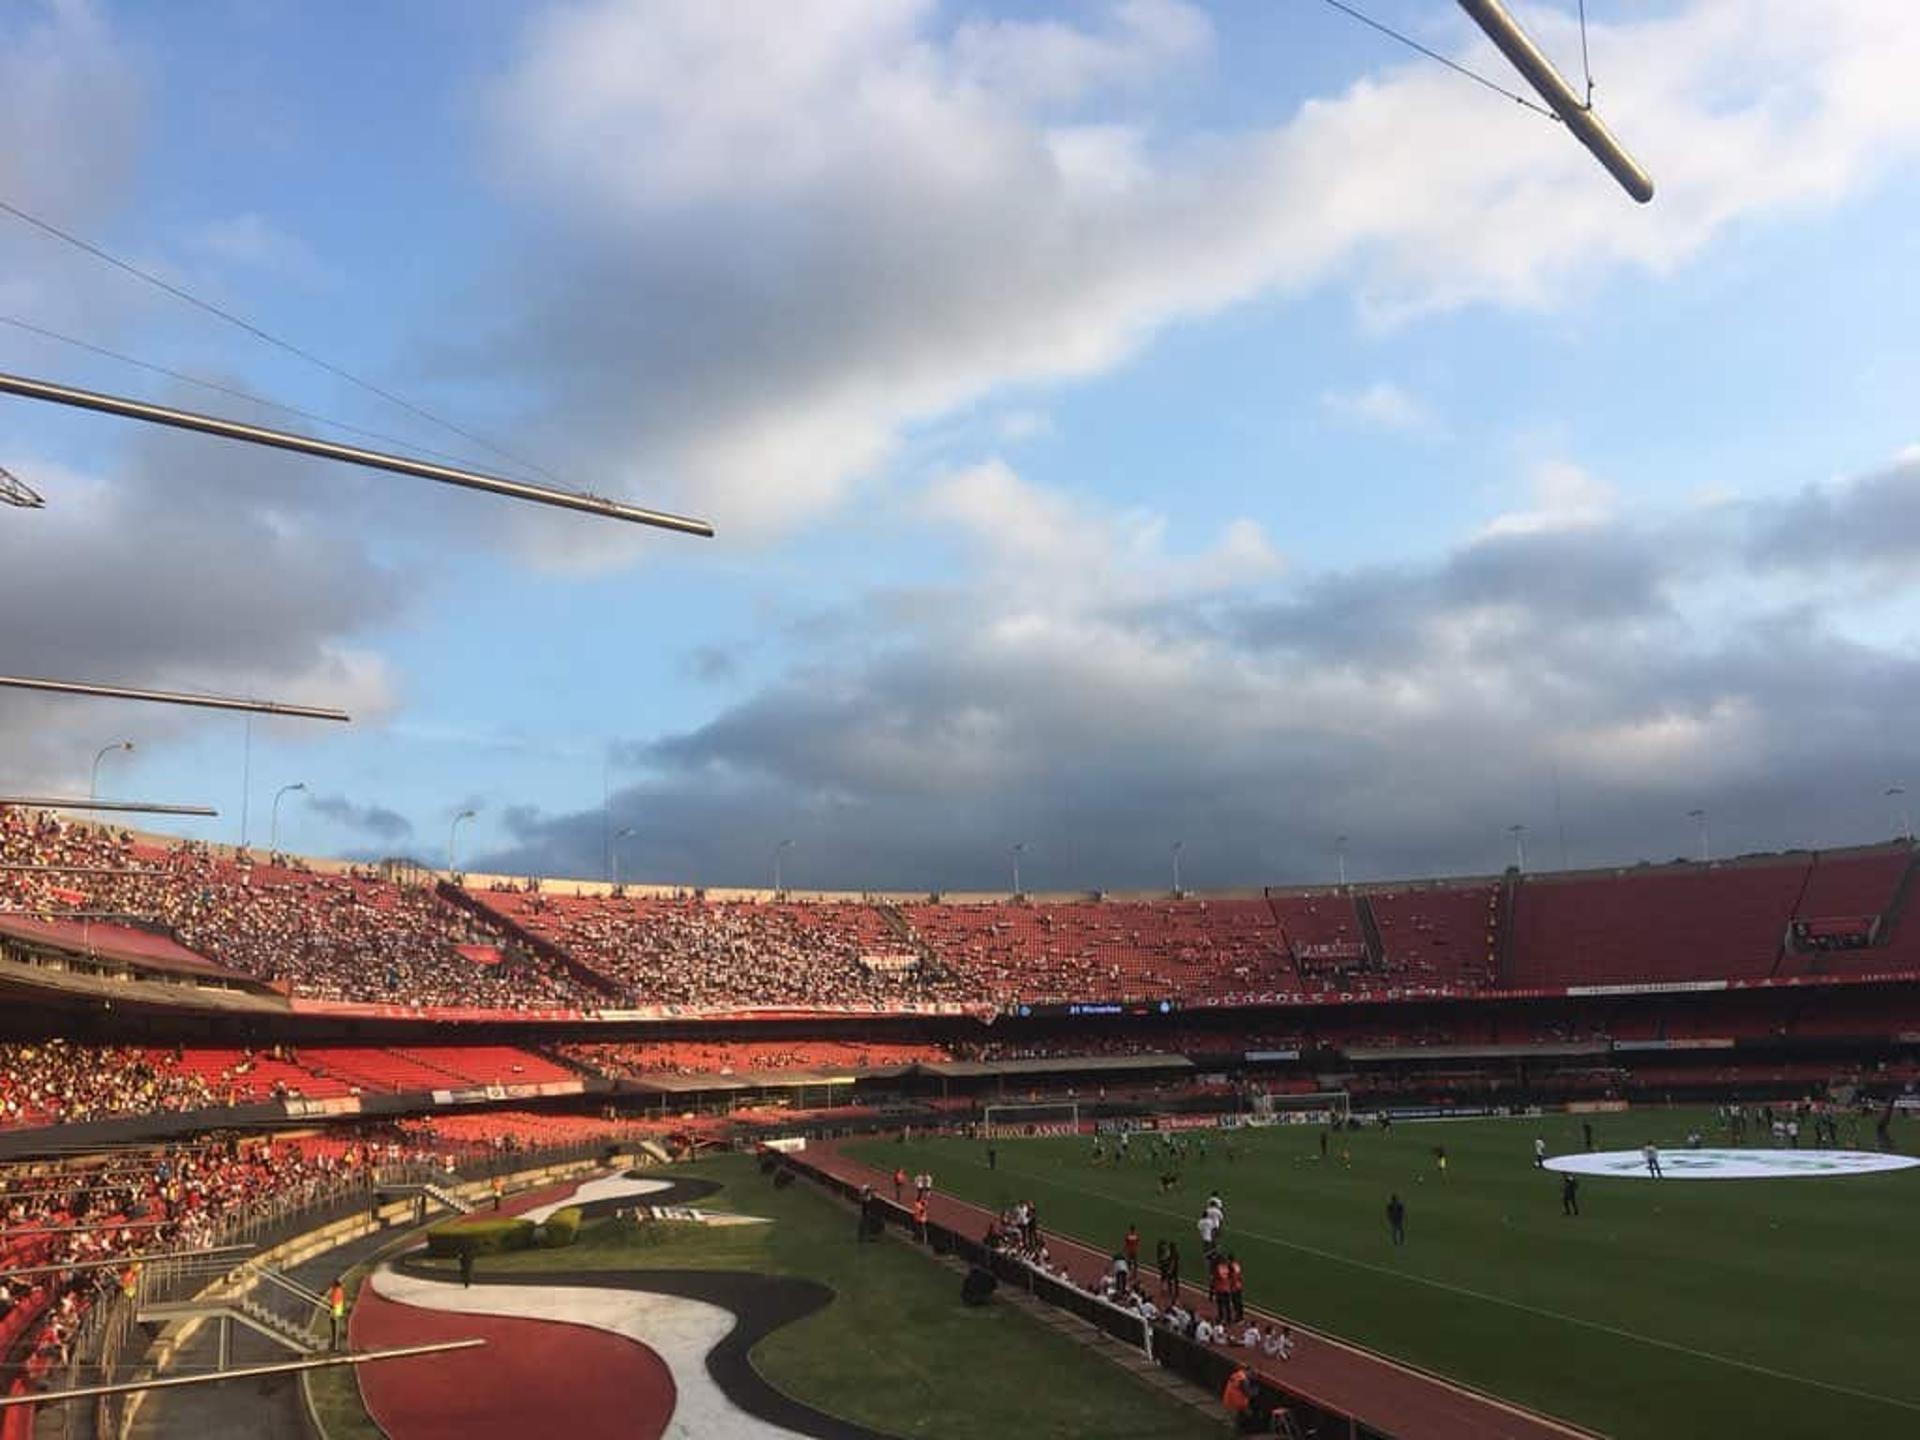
[895, 1350]
[1781, 1308]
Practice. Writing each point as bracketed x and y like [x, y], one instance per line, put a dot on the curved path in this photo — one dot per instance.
[1402, 1401]
[595, 1354]
[533, 1377]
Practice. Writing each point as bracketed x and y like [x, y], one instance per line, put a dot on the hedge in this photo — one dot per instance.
[562, 1228]
[479, 1235]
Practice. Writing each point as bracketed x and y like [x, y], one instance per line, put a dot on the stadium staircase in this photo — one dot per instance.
[240, 1295]
[1370, 932]
[1503, 942]
[447, 1198]
[1787, 946]
[903, 931]
[1896, 907]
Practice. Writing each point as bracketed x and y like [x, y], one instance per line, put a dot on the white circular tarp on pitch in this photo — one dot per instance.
[1732, 1164]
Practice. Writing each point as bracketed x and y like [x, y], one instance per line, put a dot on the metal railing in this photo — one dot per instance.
[110, 1345]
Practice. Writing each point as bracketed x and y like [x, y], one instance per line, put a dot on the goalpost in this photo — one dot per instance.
[1000, 1122]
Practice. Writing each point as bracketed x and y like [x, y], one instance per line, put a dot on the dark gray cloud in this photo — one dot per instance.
[185, 564]
[1876, 519]
[1595, 680]
[389, 827]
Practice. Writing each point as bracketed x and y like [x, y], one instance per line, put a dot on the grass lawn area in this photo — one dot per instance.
[336, 1390]
[896, 1350]
[1779, 1307]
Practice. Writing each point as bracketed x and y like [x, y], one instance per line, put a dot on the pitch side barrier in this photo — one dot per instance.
[1200, 1364]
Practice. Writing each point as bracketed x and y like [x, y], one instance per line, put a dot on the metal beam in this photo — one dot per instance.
[15, 491]
[124, 807]
[120, 1262]
[245, 1372]
[1526, 57]
[172, 697]
[73, 870]
[352, 454]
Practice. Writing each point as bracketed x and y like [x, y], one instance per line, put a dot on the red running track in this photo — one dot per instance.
[1403, 1402]
[532, 1377]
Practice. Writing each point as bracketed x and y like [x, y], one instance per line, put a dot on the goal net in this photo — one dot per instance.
[1318, 1107]
[1007, 1121]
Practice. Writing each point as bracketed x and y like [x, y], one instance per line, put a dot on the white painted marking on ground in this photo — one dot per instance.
[1637, 1337]
[680, 1331]
[611, 1187]
[1732, 1164]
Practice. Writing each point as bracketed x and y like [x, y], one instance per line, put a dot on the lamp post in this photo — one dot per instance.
[1898, 794]
[93, 785]
[273, 826]
[778, 851]
[1706, 849]
[1178, 846]
[1519, 834]
[1340, 847]
[452, 831]
[1019, 849]
[614, 857]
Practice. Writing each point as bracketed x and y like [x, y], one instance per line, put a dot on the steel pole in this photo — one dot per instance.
[1539, 72]
[170, 697]
[224, 429]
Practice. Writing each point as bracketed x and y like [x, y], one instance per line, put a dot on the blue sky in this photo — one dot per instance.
[1124, 422]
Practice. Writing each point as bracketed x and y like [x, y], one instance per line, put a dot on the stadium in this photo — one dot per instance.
[891, 718]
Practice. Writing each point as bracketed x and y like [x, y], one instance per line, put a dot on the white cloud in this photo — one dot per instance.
[1383, 405]
[254, 241]
[1564, 496]
[764, 251]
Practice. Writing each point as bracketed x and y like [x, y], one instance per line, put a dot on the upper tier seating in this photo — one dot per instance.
[688, 952]
[1673, 923]
[1103, 950]
[352, 937]
[1439, 936]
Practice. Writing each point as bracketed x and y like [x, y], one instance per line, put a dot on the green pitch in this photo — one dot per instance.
[1678, 1308]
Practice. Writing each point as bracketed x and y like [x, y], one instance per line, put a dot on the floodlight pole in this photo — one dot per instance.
[93, 782]
[1706, 849]
[224, 429]
[1513, 42]
[452, 831]
[273, 828]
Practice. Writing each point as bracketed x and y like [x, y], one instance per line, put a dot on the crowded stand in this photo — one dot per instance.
[1045, 952]
[324, 936]
[690, 952]
[53, 1082]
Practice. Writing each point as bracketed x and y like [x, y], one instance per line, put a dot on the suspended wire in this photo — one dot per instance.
[79, 243]
[1455, 66]
[232, 390]
[1585, 68]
